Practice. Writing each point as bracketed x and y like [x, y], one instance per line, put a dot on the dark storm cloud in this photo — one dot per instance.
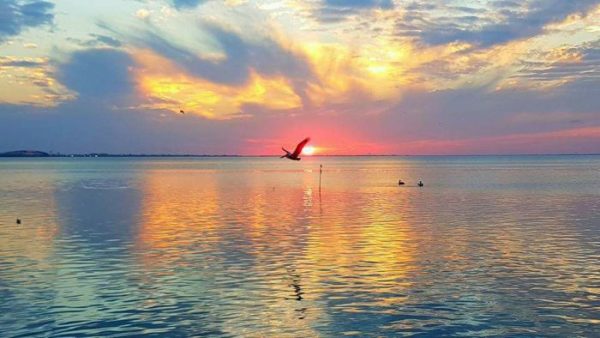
[266, 57]
[515, 24]
[16, 16]
[98, 73]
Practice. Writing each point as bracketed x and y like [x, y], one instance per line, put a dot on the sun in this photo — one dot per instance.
[308, 150]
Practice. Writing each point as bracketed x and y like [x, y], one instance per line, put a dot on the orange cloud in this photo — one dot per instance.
[30, 81]
[169, 87]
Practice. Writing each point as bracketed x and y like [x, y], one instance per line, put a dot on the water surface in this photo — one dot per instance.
[497, 246]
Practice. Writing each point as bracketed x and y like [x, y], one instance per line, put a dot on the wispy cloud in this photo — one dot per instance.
[235, 58]
[502, 22]
[339, 10]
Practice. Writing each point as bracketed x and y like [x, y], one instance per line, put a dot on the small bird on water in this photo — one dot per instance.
[295, 155]
[420, 183]
[18, 221]
[181, 111]
[400, 182]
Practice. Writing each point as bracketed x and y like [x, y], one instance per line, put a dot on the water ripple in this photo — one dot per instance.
[255, 248]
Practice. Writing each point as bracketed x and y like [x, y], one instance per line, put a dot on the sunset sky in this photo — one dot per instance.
[358, 76]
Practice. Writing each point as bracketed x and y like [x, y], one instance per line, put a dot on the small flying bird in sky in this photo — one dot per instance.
[295, 155]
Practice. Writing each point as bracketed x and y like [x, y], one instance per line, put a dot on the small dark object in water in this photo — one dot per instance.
[400, 182]
[18, 221]
[181, 111]
[420, 183]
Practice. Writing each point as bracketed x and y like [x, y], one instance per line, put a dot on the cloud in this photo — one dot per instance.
[24, 63]
[187, 4]
[98, 74]
[502, 22]
[385, 4]
[30, 81]
[142, 14]
[472, 113]
[16, 16]
[106, 40]
[239, 57]
[560, 66]
[339, 10]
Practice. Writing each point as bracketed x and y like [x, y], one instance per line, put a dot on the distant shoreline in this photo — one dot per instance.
[41, 154]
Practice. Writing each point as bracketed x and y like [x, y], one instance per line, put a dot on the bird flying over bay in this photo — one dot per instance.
[295, 155]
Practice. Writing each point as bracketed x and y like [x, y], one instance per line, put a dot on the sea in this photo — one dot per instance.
[497, 246]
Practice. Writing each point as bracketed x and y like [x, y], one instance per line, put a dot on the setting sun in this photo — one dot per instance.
[308, 150]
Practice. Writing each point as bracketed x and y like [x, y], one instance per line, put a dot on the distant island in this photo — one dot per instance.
[25, 153]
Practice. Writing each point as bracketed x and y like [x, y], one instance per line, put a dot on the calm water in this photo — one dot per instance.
[498, 246]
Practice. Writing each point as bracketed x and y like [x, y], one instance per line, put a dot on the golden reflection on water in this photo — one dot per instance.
[172, 205]
[288, 238]
[185, 214]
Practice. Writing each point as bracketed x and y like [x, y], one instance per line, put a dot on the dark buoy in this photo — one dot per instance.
[420, 183]
[400, 182]
[18, 221]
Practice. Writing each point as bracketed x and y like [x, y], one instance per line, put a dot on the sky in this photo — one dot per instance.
[358, 76]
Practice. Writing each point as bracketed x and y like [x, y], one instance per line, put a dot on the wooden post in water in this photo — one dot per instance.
[320, 174]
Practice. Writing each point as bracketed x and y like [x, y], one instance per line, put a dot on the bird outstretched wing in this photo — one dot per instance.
[300, 146]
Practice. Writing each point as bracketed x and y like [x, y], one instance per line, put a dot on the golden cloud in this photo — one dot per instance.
[30, 81]
[169, 87]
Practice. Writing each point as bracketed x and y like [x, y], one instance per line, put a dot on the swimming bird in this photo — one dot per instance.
[18, 221]
[420, 183]
[295, 155]
[181, 111]
[400, 182]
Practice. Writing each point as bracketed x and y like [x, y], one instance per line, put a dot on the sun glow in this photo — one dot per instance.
[308, 150]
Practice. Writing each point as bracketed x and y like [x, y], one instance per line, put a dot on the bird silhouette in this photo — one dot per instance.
[181, 111]
[295, 155]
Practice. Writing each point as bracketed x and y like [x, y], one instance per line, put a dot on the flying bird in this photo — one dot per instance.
[295, 155]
